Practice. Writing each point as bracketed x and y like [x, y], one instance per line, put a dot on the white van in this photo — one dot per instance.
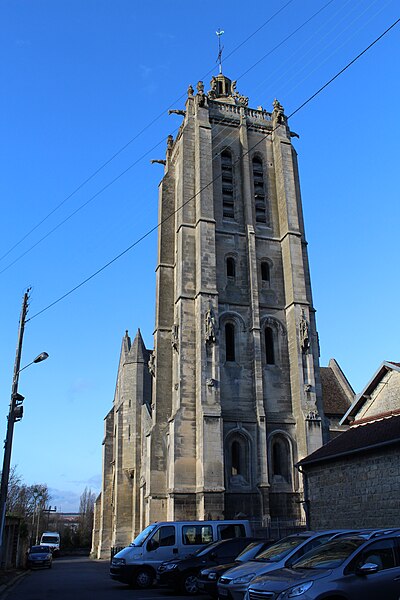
[137, 564]
[51, 539]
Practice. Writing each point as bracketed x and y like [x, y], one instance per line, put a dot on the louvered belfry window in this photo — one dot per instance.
[228, 208]
[260, 200]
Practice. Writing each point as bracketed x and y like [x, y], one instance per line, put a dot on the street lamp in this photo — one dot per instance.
[14, 414]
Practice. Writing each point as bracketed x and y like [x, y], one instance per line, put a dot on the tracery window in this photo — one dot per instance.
[228, 209]
[259, 191]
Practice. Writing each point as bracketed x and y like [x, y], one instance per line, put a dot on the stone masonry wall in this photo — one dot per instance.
[357, 491]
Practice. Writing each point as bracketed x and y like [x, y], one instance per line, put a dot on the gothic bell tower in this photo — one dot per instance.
[236, 386]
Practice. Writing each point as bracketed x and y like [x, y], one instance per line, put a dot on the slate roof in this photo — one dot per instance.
[360, 438]
[334, 399]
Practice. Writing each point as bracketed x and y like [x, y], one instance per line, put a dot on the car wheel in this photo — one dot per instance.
[189, 584]
[143, 579]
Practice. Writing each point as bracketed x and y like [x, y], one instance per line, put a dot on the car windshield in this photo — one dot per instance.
[207, 549]
[280, 549]
[143, 535]
[329, 555]
[249, 552]
[50, 539]
[39, 549]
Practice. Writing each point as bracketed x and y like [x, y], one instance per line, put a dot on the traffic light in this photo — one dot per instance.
[18, 409]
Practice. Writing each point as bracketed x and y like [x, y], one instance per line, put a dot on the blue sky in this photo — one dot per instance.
[80, 79]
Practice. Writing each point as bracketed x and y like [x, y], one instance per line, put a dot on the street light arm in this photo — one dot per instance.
[42, 356]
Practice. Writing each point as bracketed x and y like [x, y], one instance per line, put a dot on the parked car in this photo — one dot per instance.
[182, 574]
[349, 568]
[137, 564]
[234, 583]
[208, 578]
[39, 556]
[52, 539]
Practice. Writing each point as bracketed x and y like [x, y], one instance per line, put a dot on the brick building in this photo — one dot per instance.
[210, 423]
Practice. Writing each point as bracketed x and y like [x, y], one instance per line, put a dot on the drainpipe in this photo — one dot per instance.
[306, 501]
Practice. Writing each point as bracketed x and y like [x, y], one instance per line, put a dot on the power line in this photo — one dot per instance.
[128, 143]
[286, 39]
[150, 231]
[18, 258]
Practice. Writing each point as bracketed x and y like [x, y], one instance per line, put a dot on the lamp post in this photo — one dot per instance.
[14, 414]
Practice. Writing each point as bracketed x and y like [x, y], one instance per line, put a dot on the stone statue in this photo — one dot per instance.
[279, 112]
[190, 90]
[242, 100]
[213, 91]
[304, 333]
[201, 96]
[175, 337]
[170, 141]
[210, 325]
[152, 364]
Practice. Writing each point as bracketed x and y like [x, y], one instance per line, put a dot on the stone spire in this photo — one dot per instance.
[138, 351]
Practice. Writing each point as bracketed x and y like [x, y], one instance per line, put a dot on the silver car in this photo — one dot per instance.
[234, 583]
[350, 568]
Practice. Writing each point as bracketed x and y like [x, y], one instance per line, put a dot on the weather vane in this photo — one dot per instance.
[220, 49]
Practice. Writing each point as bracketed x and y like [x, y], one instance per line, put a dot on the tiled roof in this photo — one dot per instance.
[334, 398]
[357, 439]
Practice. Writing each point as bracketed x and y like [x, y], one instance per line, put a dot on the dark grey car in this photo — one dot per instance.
[351, 568]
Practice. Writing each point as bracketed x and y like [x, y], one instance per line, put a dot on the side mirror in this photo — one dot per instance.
[367, 569]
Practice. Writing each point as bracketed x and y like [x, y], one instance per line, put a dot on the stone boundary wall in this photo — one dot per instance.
[357, 491]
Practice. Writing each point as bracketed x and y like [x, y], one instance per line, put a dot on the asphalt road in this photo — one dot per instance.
[80, 579]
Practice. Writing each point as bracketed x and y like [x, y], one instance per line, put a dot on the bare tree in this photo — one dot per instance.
[86, 509]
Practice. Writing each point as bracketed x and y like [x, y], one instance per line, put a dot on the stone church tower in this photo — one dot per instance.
[236, 393]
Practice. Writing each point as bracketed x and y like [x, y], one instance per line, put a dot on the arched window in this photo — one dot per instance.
[228, 210]
[265, 271]
[259, 191]
[238, 468]
[281, 461]
[269, 346]
[230, 267]
[230, 342]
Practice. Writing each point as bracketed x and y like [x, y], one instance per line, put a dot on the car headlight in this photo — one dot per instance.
[212, 576]
[170, 566]
[244, 578]
[118, 561]
[297, 590]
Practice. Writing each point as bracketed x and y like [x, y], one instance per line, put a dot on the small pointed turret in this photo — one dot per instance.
[138, 352]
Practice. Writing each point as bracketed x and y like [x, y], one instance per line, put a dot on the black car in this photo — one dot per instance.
[182, 574]
[208, 578]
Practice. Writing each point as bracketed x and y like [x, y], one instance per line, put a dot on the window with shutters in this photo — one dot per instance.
[260, 200]
[228, 208]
